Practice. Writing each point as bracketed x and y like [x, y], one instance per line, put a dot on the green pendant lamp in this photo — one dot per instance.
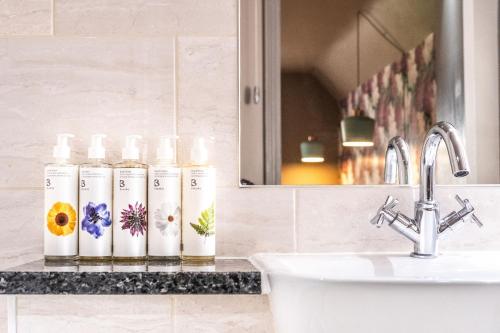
[357, 131]
[312, 151]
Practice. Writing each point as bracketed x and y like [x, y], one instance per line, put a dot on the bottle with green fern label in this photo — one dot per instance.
[198, 206]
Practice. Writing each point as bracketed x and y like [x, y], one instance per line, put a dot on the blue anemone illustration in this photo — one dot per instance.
[96, 218]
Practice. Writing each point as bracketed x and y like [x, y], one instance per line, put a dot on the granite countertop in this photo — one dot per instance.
[225, 276]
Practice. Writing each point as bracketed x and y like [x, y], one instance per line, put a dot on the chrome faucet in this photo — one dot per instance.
[397, 162]
[427, 227]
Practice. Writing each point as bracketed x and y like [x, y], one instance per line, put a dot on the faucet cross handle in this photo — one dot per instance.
[468, 209]
[390, 203]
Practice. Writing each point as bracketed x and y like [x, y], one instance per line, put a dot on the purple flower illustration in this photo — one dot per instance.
[134, 219]
[96, 218]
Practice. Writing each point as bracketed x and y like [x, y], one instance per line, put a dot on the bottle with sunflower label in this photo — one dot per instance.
[164, 203]
[129, 204]
[198, 206]
[61, 204]
[96, 189]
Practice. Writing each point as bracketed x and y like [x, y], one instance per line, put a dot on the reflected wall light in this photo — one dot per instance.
[312, 150]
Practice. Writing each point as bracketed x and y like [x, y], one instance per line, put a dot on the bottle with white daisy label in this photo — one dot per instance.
[129, 204]
[198, 206]
[164, 203]
[61, 204]
[96, 203]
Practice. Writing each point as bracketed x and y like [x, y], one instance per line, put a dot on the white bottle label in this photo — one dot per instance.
[95, 208]
[61, 211]
[129, 212]
[164, 211]
[198, 211]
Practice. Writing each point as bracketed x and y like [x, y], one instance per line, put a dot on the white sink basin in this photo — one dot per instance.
[383, 293]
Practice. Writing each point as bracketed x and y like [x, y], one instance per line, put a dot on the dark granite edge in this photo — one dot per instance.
[129, 283]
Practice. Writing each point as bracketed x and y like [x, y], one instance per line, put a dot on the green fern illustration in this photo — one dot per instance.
[206, 222]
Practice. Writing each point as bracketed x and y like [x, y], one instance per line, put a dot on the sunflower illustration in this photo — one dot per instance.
[61, 219]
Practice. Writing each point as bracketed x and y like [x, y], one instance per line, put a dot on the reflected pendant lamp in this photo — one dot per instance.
[312, 151]
[357, 131]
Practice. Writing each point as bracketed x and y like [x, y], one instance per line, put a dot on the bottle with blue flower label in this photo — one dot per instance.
[164, 203]
[96, 203]
[60, 232]
[129, 204]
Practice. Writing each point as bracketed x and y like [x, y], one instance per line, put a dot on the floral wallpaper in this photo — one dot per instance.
[402, 100]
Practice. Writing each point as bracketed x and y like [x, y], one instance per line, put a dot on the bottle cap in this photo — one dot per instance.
[96, 149]
[166, 149]
[131, 151]
[62, 150]
[199, 151]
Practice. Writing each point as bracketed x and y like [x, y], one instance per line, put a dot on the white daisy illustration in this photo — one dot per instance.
[167, 219]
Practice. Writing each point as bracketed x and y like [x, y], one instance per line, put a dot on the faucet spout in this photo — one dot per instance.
[397, 162]
[447, 133]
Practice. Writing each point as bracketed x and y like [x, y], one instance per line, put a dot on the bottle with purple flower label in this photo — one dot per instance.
[129, 204]
[96, 200]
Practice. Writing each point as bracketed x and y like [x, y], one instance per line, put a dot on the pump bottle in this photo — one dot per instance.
[164, 203]
[129, 203]
[198, 209]
[61, 203]
[96, 203]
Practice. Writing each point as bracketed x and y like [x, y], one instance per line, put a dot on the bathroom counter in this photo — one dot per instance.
[225, 276]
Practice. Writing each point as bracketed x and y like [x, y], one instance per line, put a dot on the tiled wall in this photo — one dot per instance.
[154, 67]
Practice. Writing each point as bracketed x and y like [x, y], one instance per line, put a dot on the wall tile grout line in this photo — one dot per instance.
[53, 19]
[21, 188]
[294, 217]
[176, 93]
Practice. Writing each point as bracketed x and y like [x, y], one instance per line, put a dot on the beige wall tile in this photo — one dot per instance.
[337, 219]
[94, 314]
[27, 17]
[150, 17]
[21, 239]
[3, 313]
[222, 314]
[81, 85]
[342, 224]
[207, 98]
[486, 201]
[254, 220]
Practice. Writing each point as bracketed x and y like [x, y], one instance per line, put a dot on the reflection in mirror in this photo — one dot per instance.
[326, 84]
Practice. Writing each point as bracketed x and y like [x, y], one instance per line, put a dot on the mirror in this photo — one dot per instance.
[325, 84]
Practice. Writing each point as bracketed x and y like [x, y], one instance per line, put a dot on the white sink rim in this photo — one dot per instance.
[481, 267]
